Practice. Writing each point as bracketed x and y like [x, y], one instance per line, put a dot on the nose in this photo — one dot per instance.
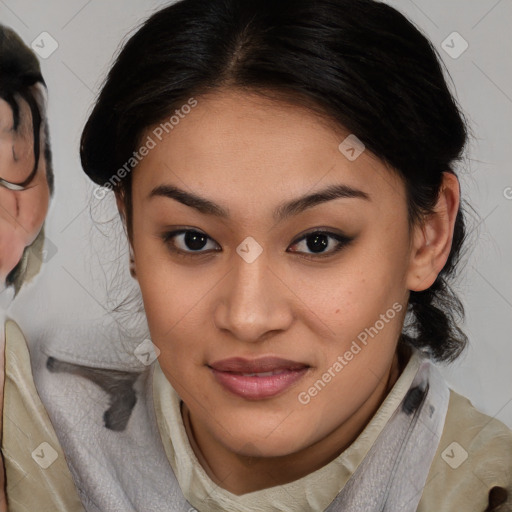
[253, 301]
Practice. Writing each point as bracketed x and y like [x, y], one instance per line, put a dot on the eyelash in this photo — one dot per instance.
[342, 240]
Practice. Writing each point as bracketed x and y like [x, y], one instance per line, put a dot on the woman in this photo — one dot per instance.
[285, 172]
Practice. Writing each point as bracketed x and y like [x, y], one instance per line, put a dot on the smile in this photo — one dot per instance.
[257, 379]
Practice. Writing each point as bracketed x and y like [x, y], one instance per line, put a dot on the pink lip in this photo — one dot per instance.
[229, 373]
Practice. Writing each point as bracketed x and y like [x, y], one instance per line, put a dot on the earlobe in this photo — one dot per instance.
[433, 238]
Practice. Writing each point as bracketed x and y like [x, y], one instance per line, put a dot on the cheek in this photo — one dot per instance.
[362, 302]
[174, 297]
[367, 281]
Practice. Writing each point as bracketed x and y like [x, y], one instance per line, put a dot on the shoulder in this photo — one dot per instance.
[40, 466]
[472, 468]
[17, 356]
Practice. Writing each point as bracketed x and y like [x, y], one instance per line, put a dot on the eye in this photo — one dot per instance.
[319, 243]
[188, 242]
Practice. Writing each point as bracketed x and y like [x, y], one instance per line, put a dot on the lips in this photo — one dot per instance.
[258, 366]
[257, 379]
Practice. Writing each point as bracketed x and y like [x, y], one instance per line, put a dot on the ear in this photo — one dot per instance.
[432, 239]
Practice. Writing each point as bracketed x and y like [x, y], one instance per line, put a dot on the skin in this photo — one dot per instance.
[249, 155]
[22, 213]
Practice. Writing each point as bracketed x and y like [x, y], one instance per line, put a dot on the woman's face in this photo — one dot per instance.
[249, 286]
[22, 213]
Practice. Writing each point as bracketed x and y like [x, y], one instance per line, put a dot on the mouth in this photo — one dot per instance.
[257, 379]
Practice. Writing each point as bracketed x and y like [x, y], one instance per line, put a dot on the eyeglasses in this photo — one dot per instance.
[12, 186]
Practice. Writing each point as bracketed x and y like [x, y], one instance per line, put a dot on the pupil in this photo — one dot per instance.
[317, 243]
[194, 241]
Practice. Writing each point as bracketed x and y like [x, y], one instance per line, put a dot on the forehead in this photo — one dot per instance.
[258, 146]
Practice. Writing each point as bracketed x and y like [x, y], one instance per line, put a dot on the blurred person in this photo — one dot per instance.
[26, 185]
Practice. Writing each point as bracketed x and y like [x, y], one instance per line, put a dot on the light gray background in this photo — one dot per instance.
[73, 285]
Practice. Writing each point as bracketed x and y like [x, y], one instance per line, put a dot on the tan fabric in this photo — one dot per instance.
[488, 444]
[30, 486]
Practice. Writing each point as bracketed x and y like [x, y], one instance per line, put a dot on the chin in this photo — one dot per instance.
[257, 447]
[253, 438]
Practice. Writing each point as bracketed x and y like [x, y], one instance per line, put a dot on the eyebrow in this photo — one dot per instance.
[283, 211]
